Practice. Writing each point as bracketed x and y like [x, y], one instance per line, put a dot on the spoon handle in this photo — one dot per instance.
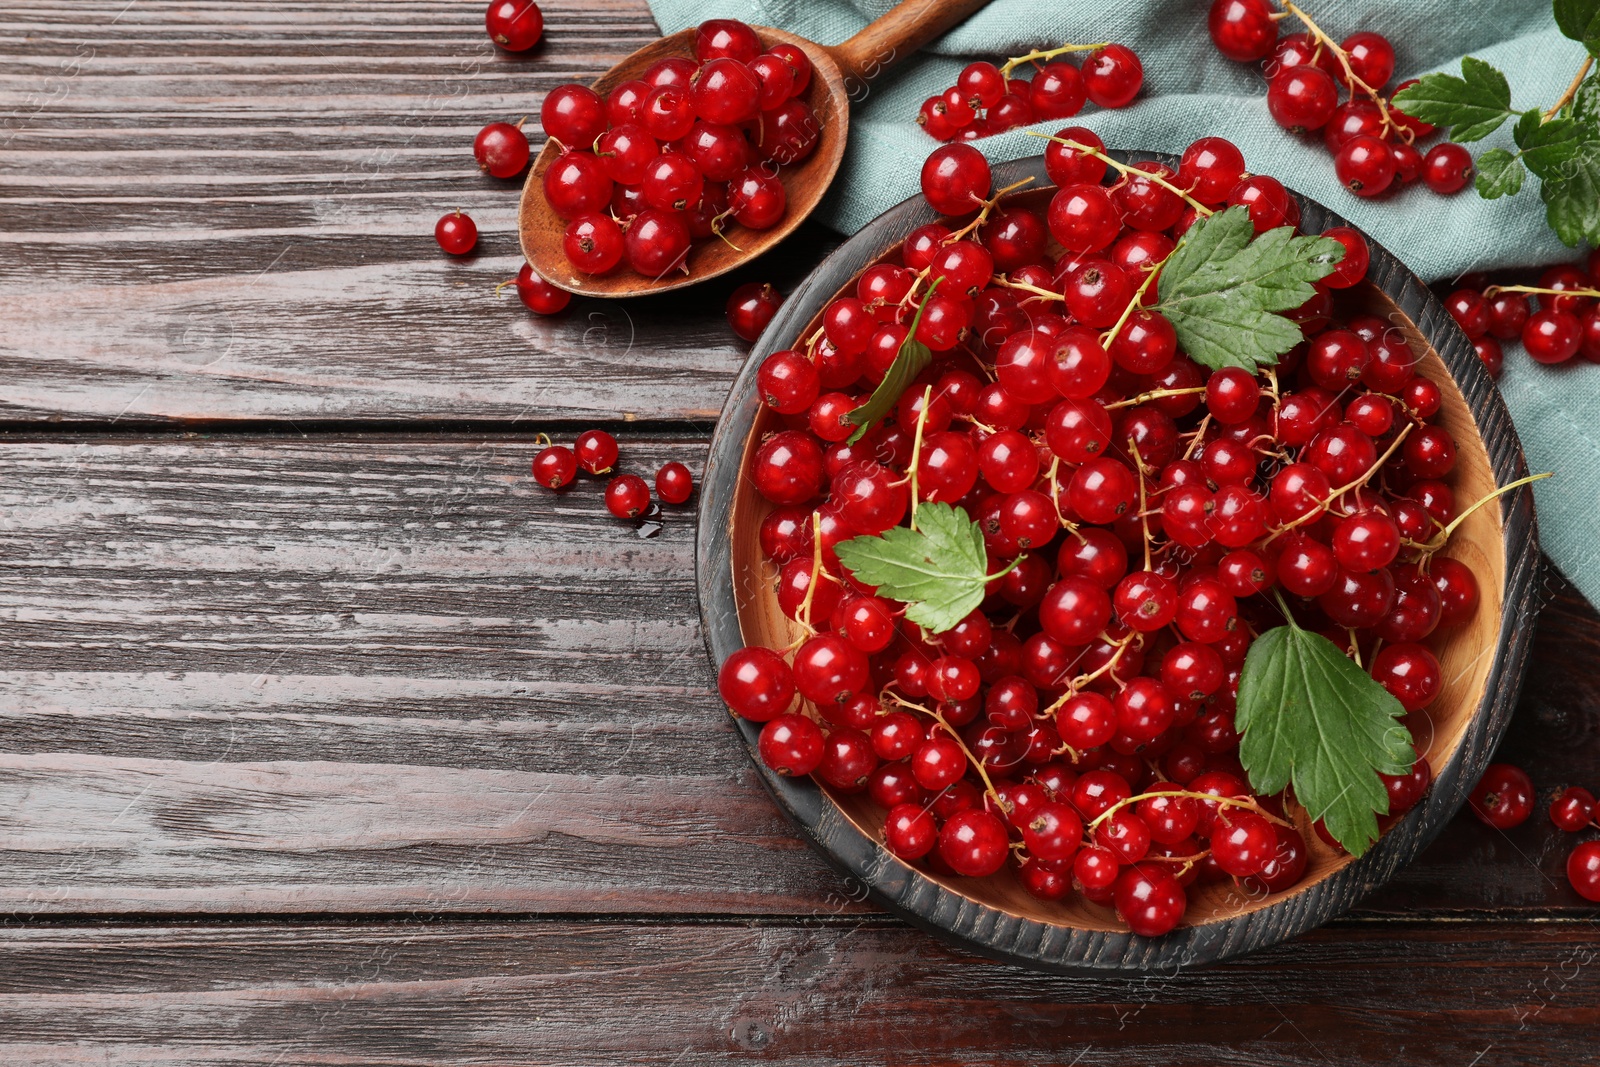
[902, 30]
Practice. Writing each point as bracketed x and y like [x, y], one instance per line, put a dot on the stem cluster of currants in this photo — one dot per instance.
[988, 99]
[595, 452]
[1373, 143]
[1563, 322]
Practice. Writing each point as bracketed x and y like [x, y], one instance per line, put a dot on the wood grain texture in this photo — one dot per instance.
[429, 995]
[389, 674]
[216, 213]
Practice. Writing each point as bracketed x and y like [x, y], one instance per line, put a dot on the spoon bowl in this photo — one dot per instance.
[838, 73]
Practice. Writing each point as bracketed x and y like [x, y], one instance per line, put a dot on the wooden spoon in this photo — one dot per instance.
[839, 73]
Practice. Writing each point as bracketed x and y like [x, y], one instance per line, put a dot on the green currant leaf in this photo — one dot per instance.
[1586, 103]
[1473, 105]
[1580, 20]
[1499, 174]
[938, 570]
[1310, 717]
[1527, 123]
[909, 362]
[1221, 290]
[1572, 196]
[1550, 144]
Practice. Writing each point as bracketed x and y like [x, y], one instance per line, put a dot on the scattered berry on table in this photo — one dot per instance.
[501, 149]
[674, 483]
[627, 496]
[596, 451]
[1503, 797]
[456, 233]
[538, 295]
[515, 25]
[751, 307]
[1573, 809]
[555, 466]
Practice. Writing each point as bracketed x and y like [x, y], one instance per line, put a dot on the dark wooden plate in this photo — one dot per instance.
[1483, 663]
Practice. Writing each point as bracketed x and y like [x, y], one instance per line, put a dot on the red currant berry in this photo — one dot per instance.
[674, 483]
[1057, 92]
[1411, 673]
[538, 295]
[1504, 796]
[515, 25]
[1492, 355]
[974, 843]
[596, 450]
[555, 467]
[1573, 809]
[1552, 336]
[501, 150]
[751, 307]
[1583, 870]
[656, 243]
[1267, 201]
[1365, 165]
[627, 496]
[788, 468]
[1070, 166]
[1243, 30]
[1303, 98]
[787, 382]
[1242, 842]
[573, 115]
[458, 235]
[593, 243]
[1149, 900]
[1212, 166]
[791, 745]
[1084, 218]
[956, 179]
[576, 184]
[1447, 168]
[789, 133]
[1112, 76]
[910, 831]
[756, 683]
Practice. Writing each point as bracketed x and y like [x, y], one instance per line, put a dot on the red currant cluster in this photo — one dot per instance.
[1566, 324]
[1140, 516]
[627, 495]
[674, 154]
[986, 99]
[1373, 143]
[1504, 798]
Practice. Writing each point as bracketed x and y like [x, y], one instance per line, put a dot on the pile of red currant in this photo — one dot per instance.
[665, 160]
[986, 99]
[627, 495]
[1566, 324]
[1141, 515]
[1504, 797]
[1372, 142]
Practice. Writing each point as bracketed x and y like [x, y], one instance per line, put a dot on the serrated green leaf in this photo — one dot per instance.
[1309, 717]
[909, 362]
[1586, 102]
[1572, 197]
[1549, 145]
[1580, 20]
[1221, 290]
[1527, 122]
[938, 570]
[1473, 105]
[1499, 174]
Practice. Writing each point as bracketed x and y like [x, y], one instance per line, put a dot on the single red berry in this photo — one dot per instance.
[1504, 796]
[593, 243]
[515, 25]
[596, 450]
[1267, 201]
[1212, 166]
[1552, 336]
[1490, 352]
[910, 831]
[555, 467]
[1371, 57]
[538, 295]
[674, 483]
[1303, 98]
[1447, 168]
[574, 115]
[1573, 809]
[751, 307]
[1583, 870]
[457, 234]
[1112, 76]
[656, 243]
[1069, 166]
[1149, 900]
[577, 184]
[791, 745]
[1365, 165]
[501, 149]
[956, 179]
[1242, 842]
[974, 843]
[1243, 30]
[756, 683]
[1057, 92]
[627, 496]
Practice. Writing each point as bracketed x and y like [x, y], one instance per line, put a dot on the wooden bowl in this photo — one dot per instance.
[1483, 662]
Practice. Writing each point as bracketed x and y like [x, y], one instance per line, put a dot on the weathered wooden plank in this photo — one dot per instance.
[387, 673]
[836, 992]
[209, 213]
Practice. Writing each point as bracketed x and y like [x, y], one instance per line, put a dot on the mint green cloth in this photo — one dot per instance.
[1191, 90]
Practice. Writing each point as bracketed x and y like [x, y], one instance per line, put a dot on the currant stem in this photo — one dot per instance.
[1006, 283]
[1230, 802]
[1572, 90]
[1495, 290]
[817, 573]
[1138, 298]
[1123, 168]
[977, 764]
[916, 449]
[1322, 506]
[1144, 520]
[1351, 79]
[1154, 394]
[983, 215]
[1046, 55]
[1438, 540]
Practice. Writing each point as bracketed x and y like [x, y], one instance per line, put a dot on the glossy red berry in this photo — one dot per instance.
[1504, 796]
[458, 235]
[910, 831]
[1552, 336]
[1583, 870]
[593, 243]
[501, 150]
[574, 115]
[555, 467]
[974, 843]
[1371, 57]
[674, 483]
[596, 451]
[1303, 98]
[1365, 165]
[1112, 76]
[1447, 168]
[756, 683]
[1243, 30]
[627, 496]
[751, 307]
[538, 295]
[515, 25]
[956, 179]
[1149, 900]
[1573, 809]
[791, 745]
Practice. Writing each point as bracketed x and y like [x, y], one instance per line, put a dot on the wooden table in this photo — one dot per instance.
[329, 738]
